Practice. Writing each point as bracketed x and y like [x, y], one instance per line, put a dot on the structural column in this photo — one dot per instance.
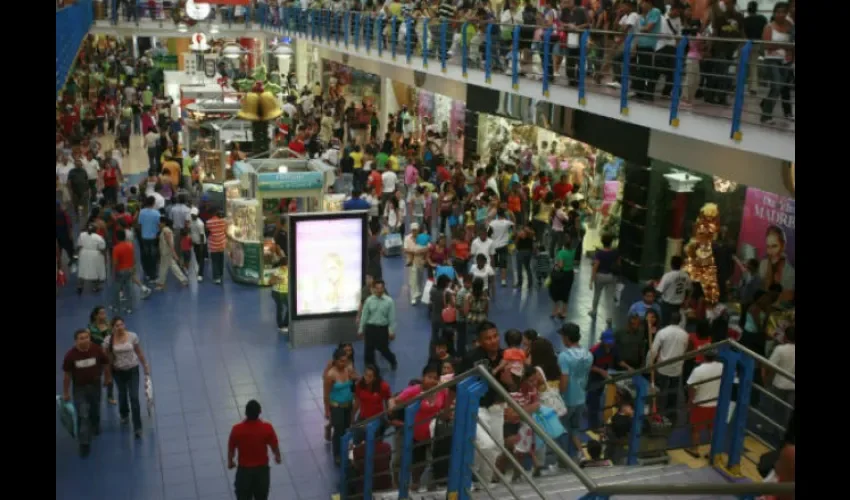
[681, 184]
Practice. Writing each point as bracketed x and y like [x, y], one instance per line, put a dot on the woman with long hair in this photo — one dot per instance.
[651, 325]
[338, 399]
[348, 349]
[371, 394]
[99, 328]
[477, 306]
[126, 353]
[91, 259]
[775, 269]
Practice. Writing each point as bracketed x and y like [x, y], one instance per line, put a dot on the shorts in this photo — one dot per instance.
[420, 452]
[500, 259]
[509, 429]
[702, 417]
[573, 419]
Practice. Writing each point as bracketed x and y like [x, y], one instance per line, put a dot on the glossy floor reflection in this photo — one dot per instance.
[211, 350]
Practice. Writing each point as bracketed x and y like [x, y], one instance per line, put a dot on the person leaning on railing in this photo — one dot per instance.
[726, 22]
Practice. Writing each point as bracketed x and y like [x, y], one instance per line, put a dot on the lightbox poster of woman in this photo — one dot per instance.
[775, 267]
[329, 269]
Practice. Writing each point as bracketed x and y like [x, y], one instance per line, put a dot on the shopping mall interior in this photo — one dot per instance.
[273, 125]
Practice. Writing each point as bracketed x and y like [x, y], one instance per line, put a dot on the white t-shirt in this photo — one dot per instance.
[388, 180]
[670, 342]
[62, 171]
[91, 167]
[501, 232]
[706, 391]
[673, 287]
[632, 20]
[481, 247]
[485, 274]
[125, 352]
[671, 28]
[784, 357]
[159, 201]
[492, 184]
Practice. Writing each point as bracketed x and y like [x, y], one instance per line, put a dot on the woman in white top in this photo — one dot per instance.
[92, 260]
[392, 216]
[778, 56]
[126, 354]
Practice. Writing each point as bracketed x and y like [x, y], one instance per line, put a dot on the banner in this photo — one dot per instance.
[768, 228]
[610, 190]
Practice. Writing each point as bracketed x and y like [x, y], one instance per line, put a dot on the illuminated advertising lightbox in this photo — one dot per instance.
[329, 263]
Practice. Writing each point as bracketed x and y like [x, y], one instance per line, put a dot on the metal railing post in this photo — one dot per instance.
[547, 51]
[582, 67]
[408, 42]
[356, 31]
[407, 451]
[425, 42]
[515, 57]
[344, 444]
[730, 359]
[369, 467]
[458, 438]
[641, 386]
[488, 52]
[741, 83]
[347, 22]
[476, 391]
[742, 409]
[676, 97]
[444, 33]
[464, 51]
[368, 32]
[393, 37]
[624, 78]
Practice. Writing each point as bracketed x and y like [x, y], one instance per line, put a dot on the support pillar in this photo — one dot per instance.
[681, 184]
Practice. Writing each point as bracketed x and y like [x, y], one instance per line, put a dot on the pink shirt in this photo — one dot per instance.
[428, 410]
[410, 175]
[694, 47]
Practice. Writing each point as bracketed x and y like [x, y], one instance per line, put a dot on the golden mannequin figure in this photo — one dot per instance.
[699, 256]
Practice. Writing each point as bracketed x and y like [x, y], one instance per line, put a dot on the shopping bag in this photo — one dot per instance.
[548, 419]
[67, 415]
[426, 292]
[61, 279]
[149, 394]
[444, 270]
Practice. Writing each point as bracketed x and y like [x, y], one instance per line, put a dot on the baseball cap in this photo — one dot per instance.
[414, 226]
[607, 337]
[194, 211]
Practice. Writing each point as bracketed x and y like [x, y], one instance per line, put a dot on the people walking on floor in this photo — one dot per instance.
[249, 443]
[378, 325]
[126, 354]
[197, 232]
[92, 261]
[603, 277]
[280, 293]
[217, 227]
[83, 366]
[339, 399]
[149, 221]
[168, 258]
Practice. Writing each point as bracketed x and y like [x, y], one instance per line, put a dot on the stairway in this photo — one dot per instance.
[566, 486]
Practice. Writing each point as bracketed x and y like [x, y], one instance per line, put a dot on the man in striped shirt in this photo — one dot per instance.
[217, 228]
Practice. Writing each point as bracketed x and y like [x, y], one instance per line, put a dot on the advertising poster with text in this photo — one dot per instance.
[768, 228]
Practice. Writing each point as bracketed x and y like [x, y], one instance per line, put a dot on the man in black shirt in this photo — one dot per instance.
[754, 25]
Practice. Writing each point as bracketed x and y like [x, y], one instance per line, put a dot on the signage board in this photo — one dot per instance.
[289, 181]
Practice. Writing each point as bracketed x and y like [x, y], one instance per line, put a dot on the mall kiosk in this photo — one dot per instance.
[254, 209]
[327, 273]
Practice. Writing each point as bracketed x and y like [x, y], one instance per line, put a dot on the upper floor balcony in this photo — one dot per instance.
[722, 91]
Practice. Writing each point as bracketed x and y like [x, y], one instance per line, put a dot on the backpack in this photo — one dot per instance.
[449, 312]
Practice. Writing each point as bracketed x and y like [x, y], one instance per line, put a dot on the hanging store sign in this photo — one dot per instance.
[290, 181]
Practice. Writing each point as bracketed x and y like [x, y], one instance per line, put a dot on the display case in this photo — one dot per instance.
[232, 191]
[333, 202]
[243, 219]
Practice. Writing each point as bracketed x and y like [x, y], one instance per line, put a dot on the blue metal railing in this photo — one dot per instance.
[72, 26]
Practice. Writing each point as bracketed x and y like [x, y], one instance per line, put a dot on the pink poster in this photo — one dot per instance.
[768, 227]
[610, 190]
[426, 104]
[456, 126]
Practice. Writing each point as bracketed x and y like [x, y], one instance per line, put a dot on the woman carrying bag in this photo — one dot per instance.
[126, 355]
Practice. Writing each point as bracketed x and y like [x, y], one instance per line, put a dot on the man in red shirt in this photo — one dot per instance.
[297, 144]
[217, 229]
[83, 365]
[124, 262]
[541, 189]
[251, 438]
[562, 188]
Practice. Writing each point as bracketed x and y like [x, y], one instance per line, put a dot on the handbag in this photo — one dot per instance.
[67, 416]
[149, 394]
[449, 313]
[550, 398]
[551, 424]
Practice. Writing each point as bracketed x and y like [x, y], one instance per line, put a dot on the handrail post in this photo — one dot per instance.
[458, 436]
[407, 451]
[425, 42]
[515, 57]
[729, 358]
[344, 444]
[624, 78]
[394, 37]
[368, 32]
[641, 393]
[547, 51]
[464, 50]
[741, 81]
[582, 67]
[356, 31]
[347, 22]
[742, 409]
[488, 51]
[476, 391]
[676, 97]
[369, 466]
[380, 35]
[329, 27]
[408, 42]
[444, 32]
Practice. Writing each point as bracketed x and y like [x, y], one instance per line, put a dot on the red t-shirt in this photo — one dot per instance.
[697, 343]
[461, 249]
[218, 234]
[124, 256]
[251, 439]
[376, 181]
[562, 189]
[540, 191]
[372, 403]
[298, 146]
[443, 175]
[429, 408]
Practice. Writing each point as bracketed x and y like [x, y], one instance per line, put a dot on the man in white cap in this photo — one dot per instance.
[415, 258]
[199, 240]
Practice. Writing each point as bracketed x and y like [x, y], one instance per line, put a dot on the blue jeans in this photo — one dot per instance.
[123, 283]
[128, 395]
[87, 402]
[778, 76]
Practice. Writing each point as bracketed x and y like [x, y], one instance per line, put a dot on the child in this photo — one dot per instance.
[447, 370]
[526, 394]
[185, 249]
[280, 293]
[441, 349]
[514, 355]
[543, 263]
[528, 337]
[417, 206]
[594, 449]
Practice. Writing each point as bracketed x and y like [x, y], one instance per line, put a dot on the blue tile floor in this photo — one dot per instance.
[212, 349]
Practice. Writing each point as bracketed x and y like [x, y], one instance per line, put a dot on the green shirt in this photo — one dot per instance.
[567, 258]
[147, 98]
[187, 165]
[381, 160]
[378, 311]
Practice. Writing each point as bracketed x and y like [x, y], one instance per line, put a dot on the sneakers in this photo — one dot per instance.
[200, 279]
[146, 292]
[504, 283]
[283, 329]
[85, 449]
[137, 434]
[614, 85]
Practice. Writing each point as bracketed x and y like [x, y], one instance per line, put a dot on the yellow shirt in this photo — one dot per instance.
[282, 286]
[393, 162]
[358, 159]
[545, 212]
